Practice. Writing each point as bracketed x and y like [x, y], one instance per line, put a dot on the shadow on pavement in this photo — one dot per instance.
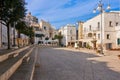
[58, 64]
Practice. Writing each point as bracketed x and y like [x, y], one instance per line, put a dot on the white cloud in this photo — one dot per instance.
[55, 10]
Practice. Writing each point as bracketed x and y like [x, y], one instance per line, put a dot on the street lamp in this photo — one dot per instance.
[101, 9]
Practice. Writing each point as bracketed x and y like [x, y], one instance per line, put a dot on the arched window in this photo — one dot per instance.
[89, 34]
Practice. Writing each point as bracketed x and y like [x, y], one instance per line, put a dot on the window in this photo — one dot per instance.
[89, 34]
[90, 27]
[98, 25]
[94, 34]
[116, 23]
[98, 36]
[110, 23]
[118, 41]
[44, 27]
[108, 36]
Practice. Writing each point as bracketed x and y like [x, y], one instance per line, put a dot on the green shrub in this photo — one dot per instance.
[88, 46]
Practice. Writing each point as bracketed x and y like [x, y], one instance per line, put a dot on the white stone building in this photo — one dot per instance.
[48, 30]
[69, 34]
[0, 36]
[3, 35]
[110, 31]
[30, 19]
[13, 32]
[38, 34]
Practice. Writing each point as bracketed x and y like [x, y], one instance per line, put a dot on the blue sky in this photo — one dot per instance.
[62, 12]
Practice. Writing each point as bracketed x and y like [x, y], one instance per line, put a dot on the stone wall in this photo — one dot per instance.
[7, 74]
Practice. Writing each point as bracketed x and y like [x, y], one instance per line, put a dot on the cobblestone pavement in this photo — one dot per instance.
[62, 64]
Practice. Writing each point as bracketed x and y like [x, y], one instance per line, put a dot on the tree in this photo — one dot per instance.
[11, 11]
[21, 28]
[59, 37]
[30, 33]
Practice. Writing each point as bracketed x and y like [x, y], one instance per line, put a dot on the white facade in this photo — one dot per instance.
[44, 30]
[3, 35]
[54, 32]
[37, 39]
[92, 30]
[117, 28]
[47, 30]
[0, 35]
[29, 19]
[45, 26]
[69, 34]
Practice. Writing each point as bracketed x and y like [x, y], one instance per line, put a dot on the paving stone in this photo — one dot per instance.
[67, 64]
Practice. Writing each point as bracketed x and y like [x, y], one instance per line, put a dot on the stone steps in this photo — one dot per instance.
[26, 70]
[11, 61]
[4, 55]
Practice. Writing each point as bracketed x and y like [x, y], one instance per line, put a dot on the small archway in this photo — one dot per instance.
[90, 35]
